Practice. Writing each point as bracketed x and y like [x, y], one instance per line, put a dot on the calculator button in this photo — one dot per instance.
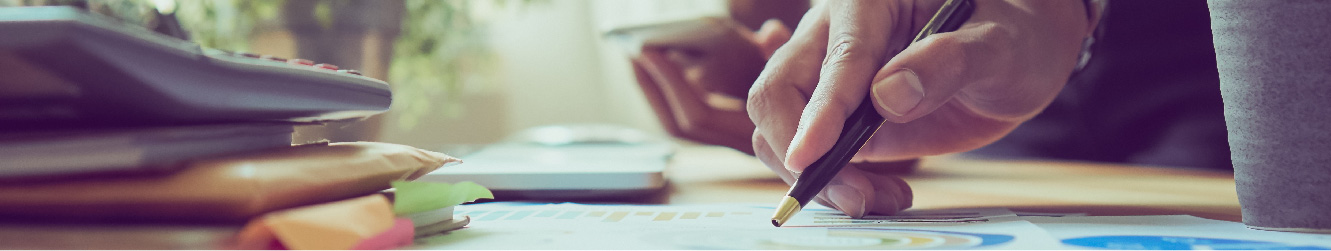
[248, 55]
[273, 58]
[353, 72]
[326, 66]
[300, 61]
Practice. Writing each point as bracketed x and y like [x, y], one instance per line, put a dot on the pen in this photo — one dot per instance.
[861, 124]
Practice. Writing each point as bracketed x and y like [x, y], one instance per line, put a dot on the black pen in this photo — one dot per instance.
[861, 124]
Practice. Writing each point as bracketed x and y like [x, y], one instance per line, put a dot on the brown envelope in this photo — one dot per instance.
[227, 189]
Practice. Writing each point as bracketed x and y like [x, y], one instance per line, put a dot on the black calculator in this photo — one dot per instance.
[63, 67]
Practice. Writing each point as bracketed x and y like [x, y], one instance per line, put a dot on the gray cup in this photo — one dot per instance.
[1274, 59]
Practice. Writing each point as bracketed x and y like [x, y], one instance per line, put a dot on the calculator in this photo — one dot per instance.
[65, 68]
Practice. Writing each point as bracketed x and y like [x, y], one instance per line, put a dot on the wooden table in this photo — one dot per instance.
[716, 175]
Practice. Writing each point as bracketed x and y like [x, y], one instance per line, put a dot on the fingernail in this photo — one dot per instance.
[899, 92]
[848, 199]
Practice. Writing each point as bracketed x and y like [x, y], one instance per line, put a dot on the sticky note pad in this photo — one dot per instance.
[400, 235]
[418, 196]
[336, 225]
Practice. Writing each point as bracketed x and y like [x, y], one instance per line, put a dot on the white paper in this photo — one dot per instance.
[580, 226]
[1046, 214]
[1170, 232]
[823, 217]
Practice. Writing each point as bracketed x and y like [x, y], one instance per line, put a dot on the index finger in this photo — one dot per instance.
[859, 33]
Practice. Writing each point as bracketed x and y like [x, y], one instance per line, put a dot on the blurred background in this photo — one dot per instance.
[462, 71]
[472, 72]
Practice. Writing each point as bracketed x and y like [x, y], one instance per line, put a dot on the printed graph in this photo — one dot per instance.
[603, 216]
[578, 226]
[953, 217]
[854, 238]
[1142, 242]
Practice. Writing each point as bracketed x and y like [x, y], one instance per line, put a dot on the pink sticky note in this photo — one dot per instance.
[400, 235]
[336, 225]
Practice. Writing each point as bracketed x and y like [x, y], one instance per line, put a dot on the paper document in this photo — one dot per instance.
[512, 225]
[1173, 232]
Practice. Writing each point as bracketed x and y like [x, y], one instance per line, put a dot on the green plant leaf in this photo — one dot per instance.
[419, 196]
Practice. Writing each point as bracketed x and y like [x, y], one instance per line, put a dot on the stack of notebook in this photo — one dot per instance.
[112, 130]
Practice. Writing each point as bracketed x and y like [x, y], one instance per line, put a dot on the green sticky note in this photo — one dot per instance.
[416, 196]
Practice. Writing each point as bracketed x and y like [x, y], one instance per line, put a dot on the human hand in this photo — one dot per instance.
[950, 92]
[698, 88]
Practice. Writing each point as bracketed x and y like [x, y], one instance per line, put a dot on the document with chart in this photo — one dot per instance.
[511, 225]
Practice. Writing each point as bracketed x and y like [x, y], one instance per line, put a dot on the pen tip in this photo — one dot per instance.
[788, 207]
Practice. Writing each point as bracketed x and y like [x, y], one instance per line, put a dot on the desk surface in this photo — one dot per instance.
[719, 175]
[716, 175]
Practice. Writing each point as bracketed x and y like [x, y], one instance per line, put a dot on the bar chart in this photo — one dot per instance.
[603, 216]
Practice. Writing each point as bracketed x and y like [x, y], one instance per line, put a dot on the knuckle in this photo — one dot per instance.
[846, 48]
[759, 101]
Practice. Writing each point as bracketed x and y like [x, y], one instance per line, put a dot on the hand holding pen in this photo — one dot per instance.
[949, 92]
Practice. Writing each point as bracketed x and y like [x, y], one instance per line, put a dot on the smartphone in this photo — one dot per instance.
[720, 52]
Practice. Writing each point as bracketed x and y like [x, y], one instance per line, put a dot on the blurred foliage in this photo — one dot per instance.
[137, 12]
[221, 24]
[225, 24]
[440, 54]
[440, 50]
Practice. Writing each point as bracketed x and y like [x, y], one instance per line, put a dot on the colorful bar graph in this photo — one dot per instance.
[616, 216]
[547, 213]
[613, 216]
[519, 215]
[569, 215]
[493, 215]
[665, 216]
[690, 215]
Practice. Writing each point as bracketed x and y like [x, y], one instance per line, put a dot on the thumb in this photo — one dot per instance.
[771, 36]
[927, 75]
